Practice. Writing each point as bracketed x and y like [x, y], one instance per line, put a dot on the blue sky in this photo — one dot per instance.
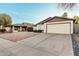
[34, 12]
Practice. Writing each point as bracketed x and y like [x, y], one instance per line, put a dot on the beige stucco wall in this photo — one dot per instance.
[1, 26]
[40, 27]
[8, 28]
[35, 28]
[65, 27]
[14, 29]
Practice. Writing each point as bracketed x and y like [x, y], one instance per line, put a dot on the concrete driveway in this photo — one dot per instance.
[39, 45]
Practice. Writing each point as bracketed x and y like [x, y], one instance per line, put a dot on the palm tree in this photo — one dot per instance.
[67, 5]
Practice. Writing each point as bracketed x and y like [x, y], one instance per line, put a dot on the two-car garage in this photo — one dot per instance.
[64, 27]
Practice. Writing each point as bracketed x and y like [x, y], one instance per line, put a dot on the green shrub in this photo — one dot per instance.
[34, 30]
[2, 30]
[38, 31]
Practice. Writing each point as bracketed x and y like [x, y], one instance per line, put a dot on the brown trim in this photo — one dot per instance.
[57, 24]
[51, 18]
[43, 21]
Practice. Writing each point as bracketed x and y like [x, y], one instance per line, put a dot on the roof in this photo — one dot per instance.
[51, 18]
[44, 20]
[24, 24]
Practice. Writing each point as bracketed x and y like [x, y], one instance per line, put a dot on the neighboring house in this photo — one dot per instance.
[21, 27]
[56, 25]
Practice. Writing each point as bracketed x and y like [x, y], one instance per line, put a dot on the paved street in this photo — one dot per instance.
[38, 45]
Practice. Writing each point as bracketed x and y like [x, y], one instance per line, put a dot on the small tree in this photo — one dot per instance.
[6, 19]
[65, 15]
[1, 23]
[67, 5]
[76, 19]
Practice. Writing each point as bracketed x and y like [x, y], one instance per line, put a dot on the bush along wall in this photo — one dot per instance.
[38, 31]
[3, 30]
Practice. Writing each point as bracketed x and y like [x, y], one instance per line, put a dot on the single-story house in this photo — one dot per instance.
[56, 25]
[21, 27]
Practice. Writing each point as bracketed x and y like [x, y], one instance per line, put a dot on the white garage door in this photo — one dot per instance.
[64, 28]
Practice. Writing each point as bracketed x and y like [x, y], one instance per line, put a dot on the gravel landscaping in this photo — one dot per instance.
[14, 37]
[75, 41]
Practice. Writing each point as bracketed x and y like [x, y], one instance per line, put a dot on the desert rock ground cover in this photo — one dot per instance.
[17, 36]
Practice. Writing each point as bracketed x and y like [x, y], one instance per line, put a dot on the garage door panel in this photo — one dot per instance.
[58, 28]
